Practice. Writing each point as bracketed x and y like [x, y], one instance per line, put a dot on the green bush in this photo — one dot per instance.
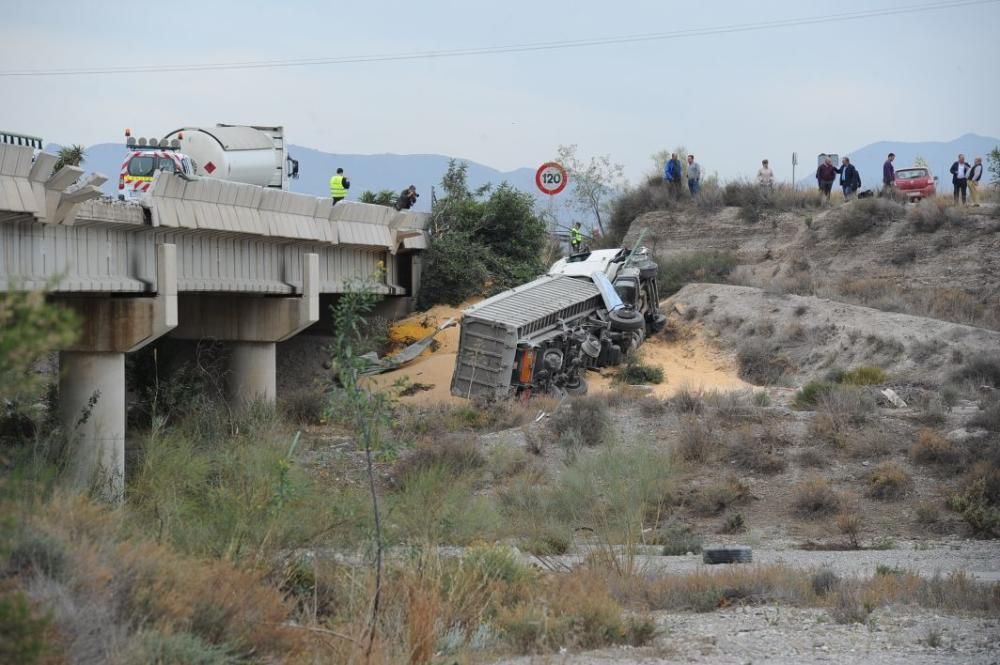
[978, 502]
[636, 373]
[484, 241]
[680, 269]
[809, 395]
[151, 646]
[678, 540]
[22, 631]
[864, 376]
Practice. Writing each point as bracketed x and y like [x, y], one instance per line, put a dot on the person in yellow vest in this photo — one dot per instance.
[575, 238]
[339, 184]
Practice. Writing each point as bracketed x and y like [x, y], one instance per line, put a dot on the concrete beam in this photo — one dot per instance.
[121, 325]
[251, 318]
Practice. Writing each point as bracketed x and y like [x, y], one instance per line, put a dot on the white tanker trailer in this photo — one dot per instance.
[255, 155]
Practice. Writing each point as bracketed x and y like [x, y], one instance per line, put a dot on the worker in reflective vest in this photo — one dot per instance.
[575, 237]
[339, 184]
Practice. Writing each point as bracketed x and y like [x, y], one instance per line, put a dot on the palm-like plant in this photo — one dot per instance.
[70, 155]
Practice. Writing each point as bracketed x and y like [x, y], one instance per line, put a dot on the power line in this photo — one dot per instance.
[510, 48]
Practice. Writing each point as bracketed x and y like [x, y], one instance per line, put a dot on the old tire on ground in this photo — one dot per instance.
[626, 319]
[728, 554]
[577, 389]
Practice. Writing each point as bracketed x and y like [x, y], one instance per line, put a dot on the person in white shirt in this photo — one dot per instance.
[975, 175]
[765, 176]
[960, 177]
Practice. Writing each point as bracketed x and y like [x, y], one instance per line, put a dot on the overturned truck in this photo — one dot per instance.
[591, 310]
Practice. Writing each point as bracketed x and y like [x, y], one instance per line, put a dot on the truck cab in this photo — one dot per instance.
[145, 157]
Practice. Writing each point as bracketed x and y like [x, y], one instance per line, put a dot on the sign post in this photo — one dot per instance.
[795, 162]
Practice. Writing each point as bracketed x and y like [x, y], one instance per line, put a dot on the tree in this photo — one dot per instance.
[993, 159]
[70, 155]
[383, 197]
[484, 241]
[593, 183]
[920, 161]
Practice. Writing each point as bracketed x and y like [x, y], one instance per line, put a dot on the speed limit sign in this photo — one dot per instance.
[551, 178]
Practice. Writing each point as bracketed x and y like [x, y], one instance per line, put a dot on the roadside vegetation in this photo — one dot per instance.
[484, 241]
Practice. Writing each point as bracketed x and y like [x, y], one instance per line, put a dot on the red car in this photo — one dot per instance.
[916, 182]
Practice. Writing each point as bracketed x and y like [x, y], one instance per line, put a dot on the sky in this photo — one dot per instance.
[730, 98]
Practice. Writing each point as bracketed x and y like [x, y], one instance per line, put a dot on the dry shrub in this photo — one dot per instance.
[927, 512]
[696, 440]
[931, 214]
[456, 454]
[708, 590]
[931, 448]
[981, 370]
[978, 501]
[760, 452]
[653, 407]
[716, 497]
[889, 482]
[861, 216]
[574, 611]
[586, 420]
[761, 363]
[869, 442]
[686, 400]
[989, 415]
[815, 458]
[850, 524]
[815, 498]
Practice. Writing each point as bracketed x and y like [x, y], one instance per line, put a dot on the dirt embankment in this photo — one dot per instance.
[801, 252]
[809, 335]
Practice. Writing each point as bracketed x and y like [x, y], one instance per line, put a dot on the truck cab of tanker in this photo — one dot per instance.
[145, 157]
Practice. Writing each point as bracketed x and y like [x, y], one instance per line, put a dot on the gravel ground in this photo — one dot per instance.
[787, 636]
[979, 558]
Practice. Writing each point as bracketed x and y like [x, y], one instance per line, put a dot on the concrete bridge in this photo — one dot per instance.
[195, 259]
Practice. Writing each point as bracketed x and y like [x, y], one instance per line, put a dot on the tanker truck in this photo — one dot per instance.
[591, 310]
[255, 155]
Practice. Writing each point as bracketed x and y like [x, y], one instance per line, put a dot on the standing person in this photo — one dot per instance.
[888, 174]
[672, 174]
[850, 179]
[407, 198]
[694, 176]
[339, 184]
[826, 173]
[575, 238]
[974, 177]
[765, 176]
[960, 177]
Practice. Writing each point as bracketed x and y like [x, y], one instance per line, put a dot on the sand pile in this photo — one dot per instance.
[691, 362]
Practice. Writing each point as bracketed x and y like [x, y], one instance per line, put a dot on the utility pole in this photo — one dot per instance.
[795, 161]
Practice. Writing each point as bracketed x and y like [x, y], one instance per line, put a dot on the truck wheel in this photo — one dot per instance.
[730, 554]
[577, 389]
[626, 319]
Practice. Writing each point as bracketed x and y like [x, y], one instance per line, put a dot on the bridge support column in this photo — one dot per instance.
[252, 324]
[92, 407]
[92, 374]
[252, 373]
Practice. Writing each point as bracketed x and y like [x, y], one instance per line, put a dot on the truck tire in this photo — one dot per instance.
[626, 319]
[728, 554]
[577, 389]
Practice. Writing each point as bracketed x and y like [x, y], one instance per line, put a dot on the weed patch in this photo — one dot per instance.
[815, 498]
[889, 482]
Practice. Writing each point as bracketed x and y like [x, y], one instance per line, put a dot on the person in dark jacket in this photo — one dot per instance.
[960, 172]
[826, 174]
[672, 174]
[850, 179]
[407, 198]
[888, 173]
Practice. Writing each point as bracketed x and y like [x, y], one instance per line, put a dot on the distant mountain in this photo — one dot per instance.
[372, 172]
[938, 155]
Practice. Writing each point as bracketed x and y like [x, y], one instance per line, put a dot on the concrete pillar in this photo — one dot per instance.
[92, 409]
[252, 373]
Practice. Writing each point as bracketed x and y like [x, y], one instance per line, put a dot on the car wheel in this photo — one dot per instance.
[626, 319]
[728, 554]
